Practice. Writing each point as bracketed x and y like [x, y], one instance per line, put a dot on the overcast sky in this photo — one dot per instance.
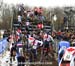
[44, 3]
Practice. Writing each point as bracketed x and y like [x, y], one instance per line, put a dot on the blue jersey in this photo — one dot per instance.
[61, 46]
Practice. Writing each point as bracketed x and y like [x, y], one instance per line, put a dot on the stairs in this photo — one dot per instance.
[47, 26]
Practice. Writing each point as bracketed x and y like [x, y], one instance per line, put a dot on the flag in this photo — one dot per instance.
[65, 19]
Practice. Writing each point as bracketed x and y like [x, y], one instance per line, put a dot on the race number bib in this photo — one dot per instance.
[69, 53]
[67, 56]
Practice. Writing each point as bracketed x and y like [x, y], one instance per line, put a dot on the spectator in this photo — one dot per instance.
[36, 11]
[19, 18]
[40, 10]
[40, 26]
[27, 23]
